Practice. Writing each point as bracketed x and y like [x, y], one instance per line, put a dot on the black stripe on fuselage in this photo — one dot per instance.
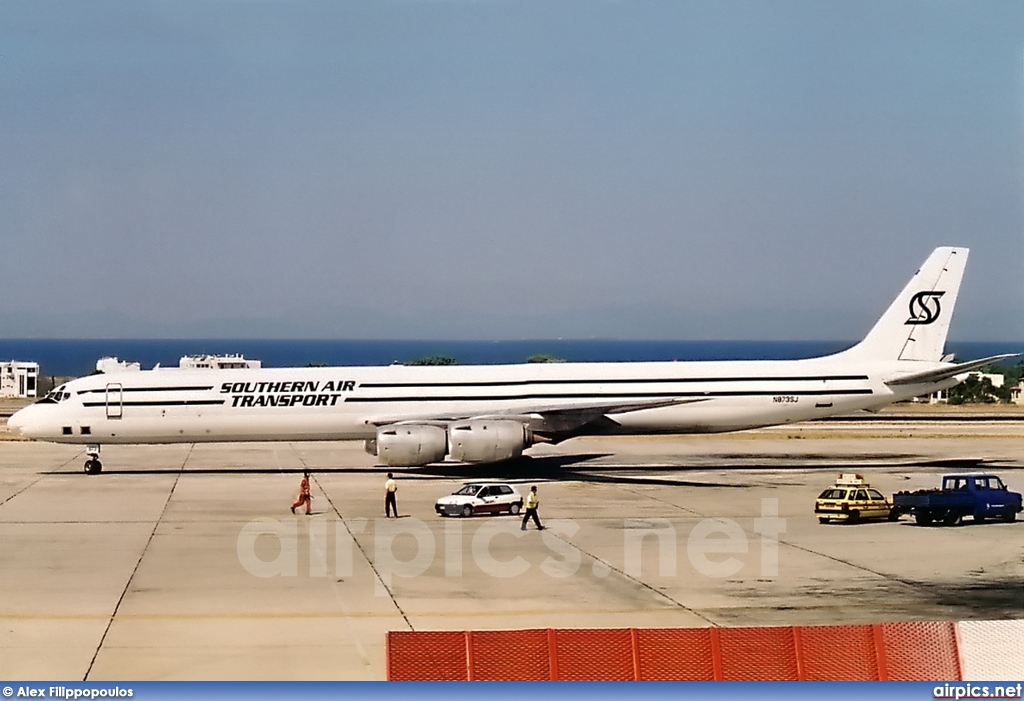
[607, 381]
[115, 387]
[623, 395]
[179, 402]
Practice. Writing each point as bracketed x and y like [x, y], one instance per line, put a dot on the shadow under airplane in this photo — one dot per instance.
[576, 468]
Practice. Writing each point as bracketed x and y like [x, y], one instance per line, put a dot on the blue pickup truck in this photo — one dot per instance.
[980, 496]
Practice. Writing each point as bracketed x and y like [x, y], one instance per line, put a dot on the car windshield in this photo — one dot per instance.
[468, 490]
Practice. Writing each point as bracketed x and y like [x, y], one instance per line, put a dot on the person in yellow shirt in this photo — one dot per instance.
[390, 488]
[532, 502]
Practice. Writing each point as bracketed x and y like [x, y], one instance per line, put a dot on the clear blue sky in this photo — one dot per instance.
[505, 169]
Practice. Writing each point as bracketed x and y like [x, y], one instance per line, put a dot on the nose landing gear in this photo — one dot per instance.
[93, 466]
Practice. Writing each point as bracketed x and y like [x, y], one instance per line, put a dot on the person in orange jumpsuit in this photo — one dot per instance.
[304, 496]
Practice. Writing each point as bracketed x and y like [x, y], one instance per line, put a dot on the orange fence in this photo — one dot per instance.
[883, 651]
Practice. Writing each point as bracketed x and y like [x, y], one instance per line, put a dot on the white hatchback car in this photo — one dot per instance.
[480, 498]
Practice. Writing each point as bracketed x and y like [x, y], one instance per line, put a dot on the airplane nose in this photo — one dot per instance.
[18, 423]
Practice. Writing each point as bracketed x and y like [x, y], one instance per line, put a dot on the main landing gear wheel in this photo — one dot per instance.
[93, 466]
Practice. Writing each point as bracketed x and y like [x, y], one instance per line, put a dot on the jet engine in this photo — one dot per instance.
[485, 440]
[409, 445]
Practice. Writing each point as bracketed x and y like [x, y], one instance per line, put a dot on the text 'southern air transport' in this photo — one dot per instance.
[411, 416]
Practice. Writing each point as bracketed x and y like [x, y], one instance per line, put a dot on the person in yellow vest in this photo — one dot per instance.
[390, 487]
[532, 502]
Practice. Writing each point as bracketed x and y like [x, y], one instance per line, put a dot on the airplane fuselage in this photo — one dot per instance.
[350, 403]
[416, 415]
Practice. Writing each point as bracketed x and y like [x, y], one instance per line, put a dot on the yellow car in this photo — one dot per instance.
[851, 499]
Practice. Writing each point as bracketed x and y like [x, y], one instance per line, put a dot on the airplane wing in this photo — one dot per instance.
[558, 417]
[927, 376]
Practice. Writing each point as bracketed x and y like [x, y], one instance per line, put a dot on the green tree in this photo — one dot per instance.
[541, 358]
[974, 390]
[1012, 375]
[434, 360]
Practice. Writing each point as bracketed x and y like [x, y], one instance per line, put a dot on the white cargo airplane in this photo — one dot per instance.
[412, 416]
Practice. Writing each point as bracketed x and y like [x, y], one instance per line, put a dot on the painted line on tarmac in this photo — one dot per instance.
[915, 585]
[138, 563]
[337, 594]
[40, 478]
[312, 615]
[321, 556]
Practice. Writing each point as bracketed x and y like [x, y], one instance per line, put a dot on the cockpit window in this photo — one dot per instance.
[54, 396]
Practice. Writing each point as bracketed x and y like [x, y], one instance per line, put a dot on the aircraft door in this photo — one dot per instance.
[115, 403]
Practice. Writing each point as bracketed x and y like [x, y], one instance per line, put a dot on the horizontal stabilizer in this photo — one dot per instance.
[927, 376]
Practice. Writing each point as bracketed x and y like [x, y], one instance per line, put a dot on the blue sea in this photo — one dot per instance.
[77, 357]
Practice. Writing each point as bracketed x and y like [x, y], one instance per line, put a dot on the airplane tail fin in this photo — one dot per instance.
[916, 323]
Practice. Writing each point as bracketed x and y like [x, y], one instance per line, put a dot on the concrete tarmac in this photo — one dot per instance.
[184, 562]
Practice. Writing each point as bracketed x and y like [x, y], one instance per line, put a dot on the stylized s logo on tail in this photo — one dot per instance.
[925, 308]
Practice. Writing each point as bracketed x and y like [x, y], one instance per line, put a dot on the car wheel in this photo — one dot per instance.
[1009, 516]
[854, 517]
[821, 519]
[514, 509]
[894, 515]
[467, 510]
[952, 518]
[923, 519]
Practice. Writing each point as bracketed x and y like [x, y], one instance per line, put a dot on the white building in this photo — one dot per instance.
[234, 361]
[1017, 393]
[943, 395]
[188, 362]
[112, 365]
[18, 379]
